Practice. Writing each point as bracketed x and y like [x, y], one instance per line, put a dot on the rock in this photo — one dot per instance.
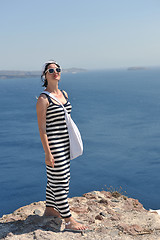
[110, 211]
[119, 218]
[133, 204]
[37, 212]
[99, 217]
[131, 229]
[104, 201]
[137, 204]
[107, 194]
[90, 195]
[114, 233]
[116, 194]
[79, 210]
[115, 200]
[115, 217]
[103, 214]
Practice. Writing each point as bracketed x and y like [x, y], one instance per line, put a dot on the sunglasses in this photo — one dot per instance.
[52, 70]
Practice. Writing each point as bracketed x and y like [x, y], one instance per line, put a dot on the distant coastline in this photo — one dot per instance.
[137, 68]
[4, 74]
[23, 74]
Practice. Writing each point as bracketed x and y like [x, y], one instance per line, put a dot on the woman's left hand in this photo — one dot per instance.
[49, 160]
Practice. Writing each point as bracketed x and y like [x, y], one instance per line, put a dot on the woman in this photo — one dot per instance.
[55, 141]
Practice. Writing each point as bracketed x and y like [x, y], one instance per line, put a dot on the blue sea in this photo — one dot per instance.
[118, 114]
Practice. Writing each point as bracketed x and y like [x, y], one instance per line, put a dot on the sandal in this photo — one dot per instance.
[75, 230]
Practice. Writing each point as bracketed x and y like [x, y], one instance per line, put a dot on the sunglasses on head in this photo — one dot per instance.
[52, 70]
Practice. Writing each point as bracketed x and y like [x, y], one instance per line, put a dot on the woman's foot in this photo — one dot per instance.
[74, 226]
[51, 212]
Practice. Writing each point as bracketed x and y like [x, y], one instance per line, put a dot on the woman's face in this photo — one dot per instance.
[53, 76]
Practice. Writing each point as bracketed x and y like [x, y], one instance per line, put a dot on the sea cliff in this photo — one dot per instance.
[110, 215]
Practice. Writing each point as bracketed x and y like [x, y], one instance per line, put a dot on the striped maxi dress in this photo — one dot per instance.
[58, 177]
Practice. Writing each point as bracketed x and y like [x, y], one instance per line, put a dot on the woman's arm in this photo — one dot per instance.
[41, 108]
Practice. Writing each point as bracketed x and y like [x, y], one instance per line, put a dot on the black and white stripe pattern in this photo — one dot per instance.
[58, 177]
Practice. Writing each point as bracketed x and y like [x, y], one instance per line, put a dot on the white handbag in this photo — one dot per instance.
[76, 144]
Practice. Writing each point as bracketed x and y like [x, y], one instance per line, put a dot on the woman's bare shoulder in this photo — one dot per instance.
[42, 100]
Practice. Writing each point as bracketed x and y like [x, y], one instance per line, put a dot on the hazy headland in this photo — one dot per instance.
[21, 74]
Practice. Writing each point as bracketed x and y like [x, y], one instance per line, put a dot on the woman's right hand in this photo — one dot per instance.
[49, 160]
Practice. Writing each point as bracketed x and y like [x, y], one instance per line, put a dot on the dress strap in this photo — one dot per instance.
[49, 99]
[64, 95]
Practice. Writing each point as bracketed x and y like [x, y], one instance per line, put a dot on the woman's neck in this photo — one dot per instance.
[53, 88]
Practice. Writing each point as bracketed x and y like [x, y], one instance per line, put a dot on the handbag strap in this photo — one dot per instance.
[56, 99]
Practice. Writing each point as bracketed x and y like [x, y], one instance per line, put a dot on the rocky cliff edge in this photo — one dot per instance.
[111, 216]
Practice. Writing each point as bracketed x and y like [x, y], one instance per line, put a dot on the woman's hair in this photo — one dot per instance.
[45, 67]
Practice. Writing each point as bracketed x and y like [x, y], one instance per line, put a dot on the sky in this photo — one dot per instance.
[87, 34]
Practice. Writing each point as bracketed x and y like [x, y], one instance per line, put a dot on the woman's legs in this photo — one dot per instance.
[57, 192]
[56, 198]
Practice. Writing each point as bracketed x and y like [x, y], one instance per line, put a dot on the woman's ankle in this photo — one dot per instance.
[68, 220]
[50, 211]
